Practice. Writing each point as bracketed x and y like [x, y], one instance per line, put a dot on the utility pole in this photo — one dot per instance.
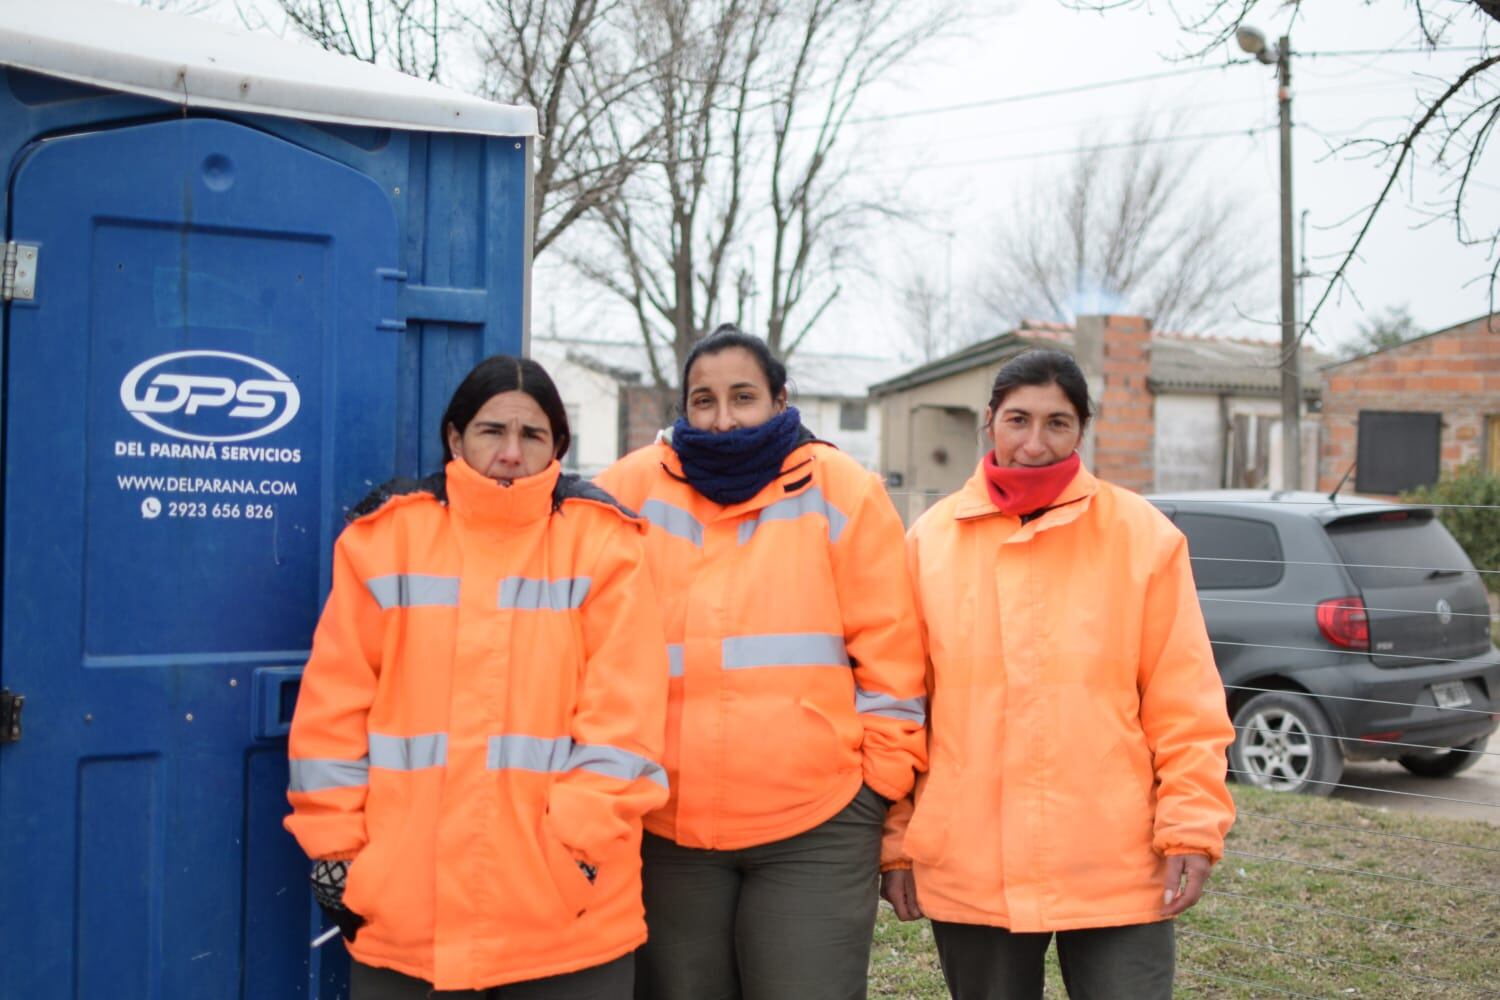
[1291, 376]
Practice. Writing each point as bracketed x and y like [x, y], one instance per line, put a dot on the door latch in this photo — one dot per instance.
[10, 715]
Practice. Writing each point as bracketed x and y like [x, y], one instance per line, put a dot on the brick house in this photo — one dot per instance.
[1405, 415]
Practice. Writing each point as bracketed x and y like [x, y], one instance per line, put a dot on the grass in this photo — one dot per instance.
[1276, 926]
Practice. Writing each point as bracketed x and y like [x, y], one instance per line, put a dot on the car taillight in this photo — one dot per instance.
[1343, 622]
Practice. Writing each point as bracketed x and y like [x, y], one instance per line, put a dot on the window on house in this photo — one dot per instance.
[1492, 445]
[853, 416]
[1397, 450]
[1231, 552]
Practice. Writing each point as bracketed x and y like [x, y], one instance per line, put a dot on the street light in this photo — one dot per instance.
[1253, 42]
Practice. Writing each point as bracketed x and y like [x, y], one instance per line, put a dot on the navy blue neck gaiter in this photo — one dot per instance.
[731, 466]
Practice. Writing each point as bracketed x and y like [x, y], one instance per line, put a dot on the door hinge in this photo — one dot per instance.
[10, 715]
[18, 278]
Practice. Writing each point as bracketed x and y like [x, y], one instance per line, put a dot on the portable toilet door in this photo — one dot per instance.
[205, 364]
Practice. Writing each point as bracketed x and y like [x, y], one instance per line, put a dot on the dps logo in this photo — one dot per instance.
[210, 396]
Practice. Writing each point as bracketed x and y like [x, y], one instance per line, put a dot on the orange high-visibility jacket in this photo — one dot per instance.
[1078, 721]
[484, 707]
[796, 665]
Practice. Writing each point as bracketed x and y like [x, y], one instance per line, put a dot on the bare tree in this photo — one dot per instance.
[1122, 229]
[1449, 126]
[751, 97]
[574, 61]
[404, 34]
[927, 320]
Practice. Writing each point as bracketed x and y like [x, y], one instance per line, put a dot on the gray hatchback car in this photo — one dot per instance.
[1344, 628]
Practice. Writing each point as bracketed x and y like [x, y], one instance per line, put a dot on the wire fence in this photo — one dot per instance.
[1365, 903]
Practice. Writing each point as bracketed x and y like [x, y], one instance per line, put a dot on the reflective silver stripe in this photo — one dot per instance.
[793, 649]
[528, 753]
[550, 595]
[313, 775]
[408, 753]
[538, 753]
[615, 763]
[675, 665]
[811, 502]
[414, 590]
[673, 520]
[875, 703]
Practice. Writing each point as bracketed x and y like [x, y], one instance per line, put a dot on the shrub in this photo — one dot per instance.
[1472, 514]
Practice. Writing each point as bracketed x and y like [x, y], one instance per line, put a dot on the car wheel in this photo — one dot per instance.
[1281, 742]
[1444, 763]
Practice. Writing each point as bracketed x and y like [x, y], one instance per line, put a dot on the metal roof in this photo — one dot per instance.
[1179, 362]
[197, 63]
[1214, 364]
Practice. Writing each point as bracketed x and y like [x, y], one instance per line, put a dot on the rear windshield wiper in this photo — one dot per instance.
[1445, 572]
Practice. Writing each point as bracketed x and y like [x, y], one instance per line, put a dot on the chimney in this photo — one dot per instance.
[1115, 354]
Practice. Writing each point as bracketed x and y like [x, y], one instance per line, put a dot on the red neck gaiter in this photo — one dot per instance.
[1017, 490]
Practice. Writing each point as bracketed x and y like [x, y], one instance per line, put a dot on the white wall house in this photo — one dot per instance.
[591, 396]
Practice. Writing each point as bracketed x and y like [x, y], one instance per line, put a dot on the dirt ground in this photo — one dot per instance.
[1478, 787]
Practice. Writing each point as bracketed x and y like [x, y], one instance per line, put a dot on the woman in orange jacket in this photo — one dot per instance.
[1077, 775]
[479, 726]
[796, 706]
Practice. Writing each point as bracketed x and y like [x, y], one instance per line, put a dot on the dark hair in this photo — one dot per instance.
[505, 373]
[727, 336]
[1043, 366]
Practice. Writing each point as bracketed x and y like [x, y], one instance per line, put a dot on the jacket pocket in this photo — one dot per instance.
[363, 882]
[574, 890]
[927, 833]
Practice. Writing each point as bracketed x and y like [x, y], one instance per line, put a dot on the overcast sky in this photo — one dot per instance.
[958, 170]
[968, 164]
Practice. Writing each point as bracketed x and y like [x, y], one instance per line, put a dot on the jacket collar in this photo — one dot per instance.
[974, 502]
[480, 500]
[795, 476]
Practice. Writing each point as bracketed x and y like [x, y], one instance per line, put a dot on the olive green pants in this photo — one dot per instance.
[1099, 963]
[610, 981]
[789, 920]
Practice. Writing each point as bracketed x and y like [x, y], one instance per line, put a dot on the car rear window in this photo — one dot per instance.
[1231, 552]
[1398, 549]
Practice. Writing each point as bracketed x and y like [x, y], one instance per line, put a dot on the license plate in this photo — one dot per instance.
[1452, 694]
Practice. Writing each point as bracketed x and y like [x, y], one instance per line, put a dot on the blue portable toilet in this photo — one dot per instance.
[241, 278]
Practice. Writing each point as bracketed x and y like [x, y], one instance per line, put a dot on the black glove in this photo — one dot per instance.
[328, 889]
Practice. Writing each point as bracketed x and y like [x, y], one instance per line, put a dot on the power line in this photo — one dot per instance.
[1340, 53]
[1418, 612]
[1372, 654]
[1250, 777]
[1075, 150]
[1364, 832]
[1345, 697]
[1325, 911]
[1037, 95]
[1385, 743]
[1124, 81]
[1348, 565]
[1351, 90]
